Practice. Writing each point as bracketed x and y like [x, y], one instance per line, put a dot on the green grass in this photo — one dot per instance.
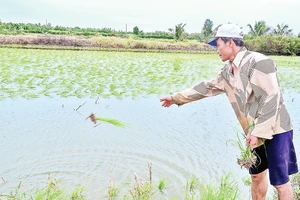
[52, 191]
[196, 188]
[113, 190]
[226, 189]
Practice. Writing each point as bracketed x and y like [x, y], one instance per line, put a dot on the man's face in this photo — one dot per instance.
[224, 49]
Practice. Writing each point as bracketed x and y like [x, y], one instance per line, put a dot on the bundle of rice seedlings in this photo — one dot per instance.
[114, 122]
[247, 158]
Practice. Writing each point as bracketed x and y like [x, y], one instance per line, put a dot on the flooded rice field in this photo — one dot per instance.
[46, 96]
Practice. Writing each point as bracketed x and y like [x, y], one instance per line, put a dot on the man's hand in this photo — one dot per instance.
[167, 101]
[252, 141]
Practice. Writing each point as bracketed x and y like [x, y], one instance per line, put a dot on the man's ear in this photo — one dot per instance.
[230, 42]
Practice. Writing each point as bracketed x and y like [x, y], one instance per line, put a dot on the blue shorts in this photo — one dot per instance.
[279, 156]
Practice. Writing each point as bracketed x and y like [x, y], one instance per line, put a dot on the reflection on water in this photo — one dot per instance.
[48, 136]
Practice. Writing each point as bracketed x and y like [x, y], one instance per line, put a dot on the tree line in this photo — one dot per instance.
[259, 28]
[261, 37]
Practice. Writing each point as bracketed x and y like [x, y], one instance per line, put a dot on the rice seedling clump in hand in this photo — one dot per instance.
[247, 157]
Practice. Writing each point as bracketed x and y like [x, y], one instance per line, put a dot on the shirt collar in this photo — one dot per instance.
[239, 57]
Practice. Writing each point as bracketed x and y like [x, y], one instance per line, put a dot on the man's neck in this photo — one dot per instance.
[236, 50]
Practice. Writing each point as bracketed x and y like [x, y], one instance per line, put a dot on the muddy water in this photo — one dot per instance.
[49, 136]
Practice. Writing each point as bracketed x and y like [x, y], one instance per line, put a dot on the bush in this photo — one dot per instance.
[275, 45]
[136, 30]
[108, 42]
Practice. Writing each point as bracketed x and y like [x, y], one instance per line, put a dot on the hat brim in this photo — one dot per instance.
[213, 42]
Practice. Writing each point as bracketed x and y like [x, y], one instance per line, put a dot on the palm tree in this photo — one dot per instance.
[179, 30]
[260, 28]
[214, 32]
[282, 30]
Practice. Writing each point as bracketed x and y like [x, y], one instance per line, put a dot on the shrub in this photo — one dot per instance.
[136, 30]
[275, 45]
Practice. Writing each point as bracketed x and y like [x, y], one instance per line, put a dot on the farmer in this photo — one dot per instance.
[250, 82]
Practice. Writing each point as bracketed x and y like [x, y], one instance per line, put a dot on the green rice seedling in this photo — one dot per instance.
[191, 185]
[247, 180]
[246, 158]
[141, 190]
[117, 94]
[227, 189]
[114, 122]
[15, 194]
[51, 192]
[68, 70]
[112, 192]
[162, 185]
[112, 189]
[77, 193]
[176, 65]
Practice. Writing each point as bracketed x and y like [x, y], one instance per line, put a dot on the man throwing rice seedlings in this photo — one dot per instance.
[250, 82]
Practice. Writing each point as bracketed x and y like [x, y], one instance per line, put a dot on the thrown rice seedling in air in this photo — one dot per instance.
[114, 122]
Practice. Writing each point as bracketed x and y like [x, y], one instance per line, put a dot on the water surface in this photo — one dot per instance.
[48, 136]
[45, 97]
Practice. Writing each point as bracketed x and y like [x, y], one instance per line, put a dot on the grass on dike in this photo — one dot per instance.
[226, 188]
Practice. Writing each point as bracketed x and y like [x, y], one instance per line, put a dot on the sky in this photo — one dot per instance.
[152, 15]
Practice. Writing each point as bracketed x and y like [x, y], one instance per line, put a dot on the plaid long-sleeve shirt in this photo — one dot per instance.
[253, 91]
